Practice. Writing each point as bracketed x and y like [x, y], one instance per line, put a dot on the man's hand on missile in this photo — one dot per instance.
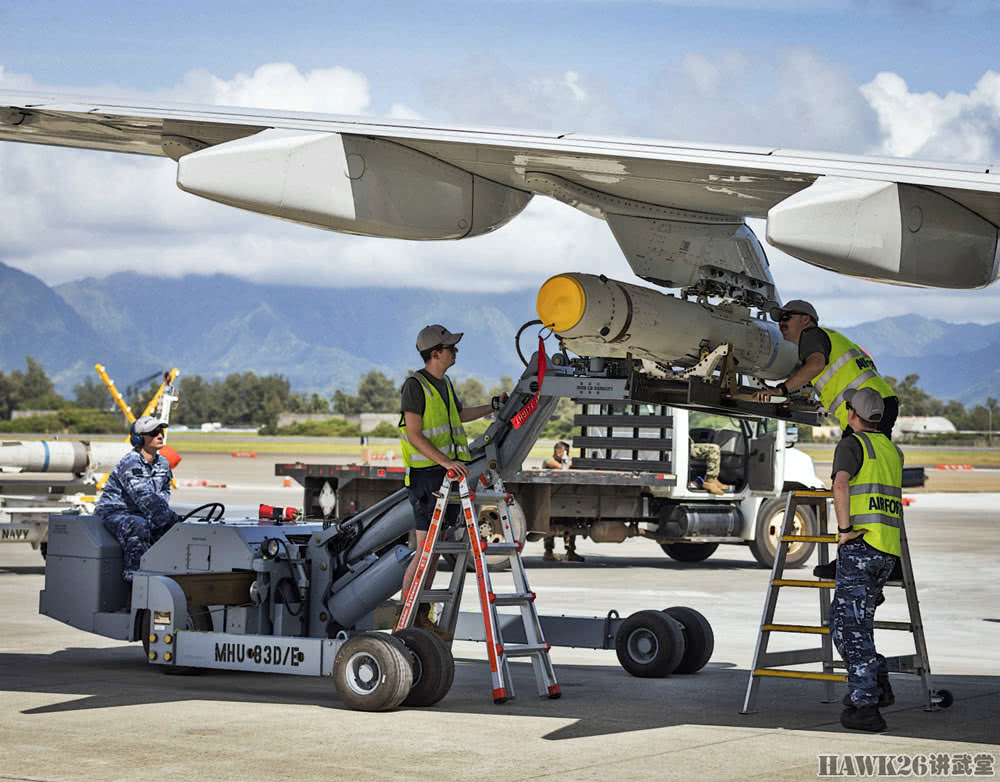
[767, 394]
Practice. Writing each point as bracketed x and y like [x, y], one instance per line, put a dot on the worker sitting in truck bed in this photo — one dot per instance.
[433, 440]
[710, 452]
[134, 505]
[559, 460]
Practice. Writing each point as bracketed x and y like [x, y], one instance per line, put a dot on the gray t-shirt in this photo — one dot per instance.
[413, 399]
[814, 340]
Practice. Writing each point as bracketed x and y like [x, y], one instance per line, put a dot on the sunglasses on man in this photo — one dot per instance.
[788, 316]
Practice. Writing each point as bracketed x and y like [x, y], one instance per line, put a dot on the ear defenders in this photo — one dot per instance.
[134, 439]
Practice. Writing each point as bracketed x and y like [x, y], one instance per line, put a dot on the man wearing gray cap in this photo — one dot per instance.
[867, 498]
[432, 438]
[831, 362]
[134, 504]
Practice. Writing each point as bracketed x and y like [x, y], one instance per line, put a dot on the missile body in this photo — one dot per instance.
[61, 456]
[595, 316]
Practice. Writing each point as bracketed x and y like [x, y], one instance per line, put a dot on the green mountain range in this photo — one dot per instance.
[324, 339]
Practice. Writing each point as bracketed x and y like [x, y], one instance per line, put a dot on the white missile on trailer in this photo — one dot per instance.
[595, 316]
[60, 456]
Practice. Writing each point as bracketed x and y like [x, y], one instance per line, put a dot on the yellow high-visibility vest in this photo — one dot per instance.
[877, 492]
[441, 425]
[848, 367]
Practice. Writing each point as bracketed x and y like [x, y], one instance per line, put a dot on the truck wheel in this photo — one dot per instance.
[689, 552]
[770, 520]
[433, 666]
[492, 532]
[372, 672]
[650, 644]
[698, 638]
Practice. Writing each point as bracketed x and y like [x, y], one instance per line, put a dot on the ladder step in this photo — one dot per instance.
[516, 599]
[796, 629]
[828, 677]
[814, 494]
[500, 548]
[493, 496]
[524, 650]
[790, 582]
[894, 626]
[436, 595]
[450, 547]
[810, 538]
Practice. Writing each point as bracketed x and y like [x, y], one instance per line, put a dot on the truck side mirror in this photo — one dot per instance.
[791, 435]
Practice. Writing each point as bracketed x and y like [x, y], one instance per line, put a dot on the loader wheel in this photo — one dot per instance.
[699, 639]
[770, 519]
[433, 666]
[372, 672]
[689, 552]
[650, 644]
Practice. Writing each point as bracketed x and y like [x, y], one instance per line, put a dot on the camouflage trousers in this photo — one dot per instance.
[712, 455]
[135, 534]
[861, 573]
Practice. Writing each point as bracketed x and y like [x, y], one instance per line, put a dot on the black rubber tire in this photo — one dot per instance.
[764, 543]
[433, 666]
[201, 621]
[689, 552]
[946, 698]
[699, 640]
[372, 672]
[650, 644]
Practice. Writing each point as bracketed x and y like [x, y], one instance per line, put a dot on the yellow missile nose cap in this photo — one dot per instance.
[561, 302]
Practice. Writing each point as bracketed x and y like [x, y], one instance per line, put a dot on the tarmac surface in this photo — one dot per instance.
[79, 706]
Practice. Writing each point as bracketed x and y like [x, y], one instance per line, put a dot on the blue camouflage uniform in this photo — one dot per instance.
[135, 506]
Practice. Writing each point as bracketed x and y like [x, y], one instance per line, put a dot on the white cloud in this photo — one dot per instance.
[956, 127]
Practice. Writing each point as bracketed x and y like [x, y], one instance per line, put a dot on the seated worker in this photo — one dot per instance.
[134, 504]
[711, 453]
[559, 460]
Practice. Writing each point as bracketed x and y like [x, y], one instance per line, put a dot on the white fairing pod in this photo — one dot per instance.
[349, 183]
[886, 231]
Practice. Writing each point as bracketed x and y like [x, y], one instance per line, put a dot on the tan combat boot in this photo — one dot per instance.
[712, 485]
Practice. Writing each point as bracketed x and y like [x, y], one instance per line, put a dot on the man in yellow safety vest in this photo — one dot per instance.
[868, 500]
[432, 438]
[831, 362]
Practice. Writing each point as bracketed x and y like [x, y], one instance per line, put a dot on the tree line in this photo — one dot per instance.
[246, 399]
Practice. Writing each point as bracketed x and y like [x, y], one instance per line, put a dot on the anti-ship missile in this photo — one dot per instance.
[595, 316]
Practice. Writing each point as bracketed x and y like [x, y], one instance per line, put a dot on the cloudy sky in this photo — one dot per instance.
[911, 78]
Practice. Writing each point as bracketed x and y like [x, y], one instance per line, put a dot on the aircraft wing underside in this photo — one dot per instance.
[677, 210]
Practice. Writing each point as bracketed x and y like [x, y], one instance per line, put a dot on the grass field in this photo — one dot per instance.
[920, 457]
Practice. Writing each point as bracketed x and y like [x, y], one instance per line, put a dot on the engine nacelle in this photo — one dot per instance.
[352, 184]
[886, 231]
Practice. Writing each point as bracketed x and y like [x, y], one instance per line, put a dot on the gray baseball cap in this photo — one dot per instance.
[867, 403]
[795, 307]
[432, 336]
[147, 425]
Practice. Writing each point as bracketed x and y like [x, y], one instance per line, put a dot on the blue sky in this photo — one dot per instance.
[893, 77]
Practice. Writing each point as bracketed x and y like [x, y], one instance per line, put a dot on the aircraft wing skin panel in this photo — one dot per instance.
[745, 181]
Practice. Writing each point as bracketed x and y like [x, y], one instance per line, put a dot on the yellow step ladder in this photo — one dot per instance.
[772, 664]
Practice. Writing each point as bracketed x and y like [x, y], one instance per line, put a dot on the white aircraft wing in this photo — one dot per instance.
[677, 210]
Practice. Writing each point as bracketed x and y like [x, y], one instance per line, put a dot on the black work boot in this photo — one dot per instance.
[863, 718]
[827, 572]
